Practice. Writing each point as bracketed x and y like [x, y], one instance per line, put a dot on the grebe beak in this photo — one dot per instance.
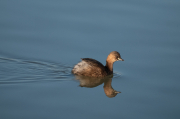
[120, 59]
[116, 92]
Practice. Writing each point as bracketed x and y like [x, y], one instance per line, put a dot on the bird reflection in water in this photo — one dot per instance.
[93, 82]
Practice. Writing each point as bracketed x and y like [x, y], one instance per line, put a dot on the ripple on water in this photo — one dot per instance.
[21, 71]
[116, 74]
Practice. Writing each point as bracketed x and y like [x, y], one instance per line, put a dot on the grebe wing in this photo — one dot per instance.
[93, 62]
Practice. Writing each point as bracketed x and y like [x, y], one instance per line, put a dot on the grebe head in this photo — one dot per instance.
[114, 56]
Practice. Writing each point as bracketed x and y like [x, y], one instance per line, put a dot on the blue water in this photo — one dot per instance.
[41, 40]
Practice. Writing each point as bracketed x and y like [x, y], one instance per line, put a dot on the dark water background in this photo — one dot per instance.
[41, 40]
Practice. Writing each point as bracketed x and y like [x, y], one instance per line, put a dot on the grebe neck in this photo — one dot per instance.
[109, 66]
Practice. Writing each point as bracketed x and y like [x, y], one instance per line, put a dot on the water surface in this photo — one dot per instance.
[40, 41]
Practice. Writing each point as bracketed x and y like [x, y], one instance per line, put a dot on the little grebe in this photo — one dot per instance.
[93, 68]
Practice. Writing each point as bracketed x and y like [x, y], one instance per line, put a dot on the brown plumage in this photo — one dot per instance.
[93, 68]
